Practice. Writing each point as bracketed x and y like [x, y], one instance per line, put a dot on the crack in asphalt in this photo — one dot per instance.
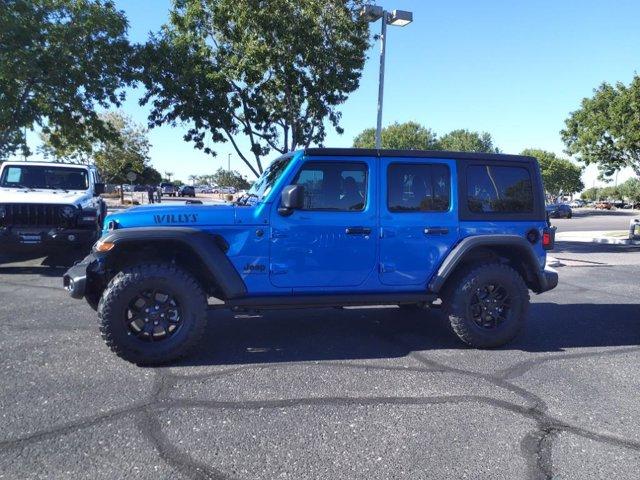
[521, 368]
[536, 447]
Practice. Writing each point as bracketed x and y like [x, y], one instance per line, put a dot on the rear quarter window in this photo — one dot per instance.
[499, 189]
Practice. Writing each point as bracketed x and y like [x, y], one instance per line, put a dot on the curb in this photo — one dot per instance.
[594, 237]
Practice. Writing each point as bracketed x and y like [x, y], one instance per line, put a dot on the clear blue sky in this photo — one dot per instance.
[511, 68]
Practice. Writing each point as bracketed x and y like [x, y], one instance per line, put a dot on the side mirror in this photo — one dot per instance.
[291, 198]
[98, 189]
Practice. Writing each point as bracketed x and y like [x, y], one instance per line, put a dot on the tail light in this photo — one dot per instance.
[548, 237]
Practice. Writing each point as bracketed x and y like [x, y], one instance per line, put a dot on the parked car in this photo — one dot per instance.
[46, 207]
[577, 203]
[224, 190]
[383, 227]
[603, 205]
[559, 210]
[187, 191]
[168, 189]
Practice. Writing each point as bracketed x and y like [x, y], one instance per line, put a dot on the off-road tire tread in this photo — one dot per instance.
[454, 306]
[133, 275]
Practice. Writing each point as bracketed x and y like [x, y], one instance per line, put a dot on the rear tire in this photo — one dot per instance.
[152, 314]
[487, 305]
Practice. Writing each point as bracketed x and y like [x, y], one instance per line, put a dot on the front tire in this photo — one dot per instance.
[487, 305]
[152, 314]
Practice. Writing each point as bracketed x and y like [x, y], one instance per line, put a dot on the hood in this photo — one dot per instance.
[160, 215]
[40, 196]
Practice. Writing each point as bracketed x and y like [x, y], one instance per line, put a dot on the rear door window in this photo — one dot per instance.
[414, 187]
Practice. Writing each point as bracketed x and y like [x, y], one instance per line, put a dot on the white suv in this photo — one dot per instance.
[47, 206]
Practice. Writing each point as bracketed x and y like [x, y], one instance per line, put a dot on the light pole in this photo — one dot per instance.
[229, 162]
[398, 18]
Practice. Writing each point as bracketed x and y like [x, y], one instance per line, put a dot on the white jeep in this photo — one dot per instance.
[49, 206]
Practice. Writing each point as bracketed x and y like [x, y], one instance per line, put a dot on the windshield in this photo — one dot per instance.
[38, 176]
[265, 182]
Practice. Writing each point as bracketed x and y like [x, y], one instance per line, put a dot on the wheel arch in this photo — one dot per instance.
[510, 249]
[200, 253]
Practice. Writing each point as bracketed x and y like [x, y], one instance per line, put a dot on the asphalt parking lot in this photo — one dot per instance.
[585, 219]
[374, 393]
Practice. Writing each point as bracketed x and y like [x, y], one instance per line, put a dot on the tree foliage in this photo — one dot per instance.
[273, 71]
[128, 152]
[59, 60]
[559, 175]
[605, 130]
[630, 190]
[466, 141]
[125, 150]
[230, 178]
[413, 136]
[401, 136]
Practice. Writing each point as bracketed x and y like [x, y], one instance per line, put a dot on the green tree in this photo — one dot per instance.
[168, 176]
[149, 176]
[630, 190]
[230, 178]
[605, 130]
[590, 194]
[274, 71]
[401, 136]
[559, 175]
[128, 152]
[466, 141]
[59, 60]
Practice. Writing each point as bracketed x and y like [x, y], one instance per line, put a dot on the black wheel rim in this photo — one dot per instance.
[153, 316]
[490, 305]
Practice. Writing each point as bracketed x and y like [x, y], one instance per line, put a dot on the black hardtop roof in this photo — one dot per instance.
[370, 152]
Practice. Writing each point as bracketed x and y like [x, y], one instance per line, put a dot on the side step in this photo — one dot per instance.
[313, 301]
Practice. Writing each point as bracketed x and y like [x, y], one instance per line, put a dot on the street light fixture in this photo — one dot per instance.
[397, 18]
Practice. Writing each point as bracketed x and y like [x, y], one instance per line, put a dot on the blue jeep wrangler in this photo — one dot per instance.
[329, 227]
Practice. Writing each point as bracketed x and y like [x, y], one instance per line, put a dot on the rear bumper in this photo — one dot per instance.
[548, 279]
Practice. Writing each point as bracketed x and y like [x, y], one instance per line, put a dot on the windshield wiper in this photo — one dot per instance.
[17, 185]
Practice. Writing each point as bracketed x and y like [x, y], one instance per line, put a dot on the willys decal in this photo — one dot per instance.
[179, 218]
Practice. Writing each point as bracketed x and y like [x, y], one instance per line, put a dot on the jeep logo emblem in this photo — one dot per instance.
[250, 267]
[179, 218]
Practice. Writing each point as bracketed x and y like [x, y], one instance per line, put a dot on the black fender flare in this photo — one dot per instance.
[209, 249]
[457, 255]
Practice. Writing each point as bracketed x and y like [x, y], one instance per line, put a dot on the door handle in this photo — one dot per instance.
[358, 230]
[436, 231]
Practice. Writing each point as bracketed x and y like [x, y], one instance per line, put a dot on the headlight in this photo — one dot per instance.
[67, 212]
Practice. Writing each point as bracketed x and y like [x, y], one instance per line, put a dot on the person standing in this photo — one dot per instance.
[150, 193]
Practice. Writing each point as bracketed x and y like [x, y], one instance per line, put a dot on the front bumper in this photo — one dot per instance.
[548, 279]
[84, 276]
[34, 239]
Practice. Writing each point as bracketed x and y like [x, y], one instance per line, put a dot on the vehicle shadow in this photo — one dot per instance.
[52, 265]
[347, 334]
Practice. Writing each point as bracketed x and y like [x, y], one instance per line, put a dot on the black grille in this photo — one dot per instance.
[32, 215]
